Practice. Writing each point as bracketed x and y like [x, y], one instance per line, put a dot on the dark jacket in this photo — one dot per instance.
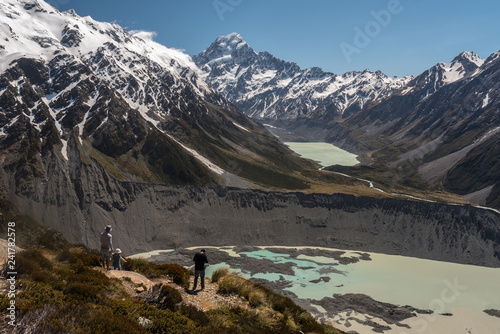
[199, 261]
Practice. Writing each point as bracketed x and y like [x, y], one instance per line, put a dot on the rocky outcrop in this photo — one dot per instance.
[80, 199]
[391, 314]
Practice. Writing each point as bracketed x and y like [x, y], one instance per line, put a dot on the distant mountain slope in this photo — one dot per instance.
[270, 89]
[73, 89]
[446, 132]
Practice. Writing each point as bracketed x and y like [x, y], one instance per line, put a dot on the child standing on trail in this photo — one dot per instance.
[117, 265]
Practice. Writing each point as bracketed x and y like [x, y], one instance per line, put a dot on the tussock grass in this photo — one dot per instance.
[232, 283]
[291, 315]
[81, 255]
[176, 272]
[256, 298]
[219, 273]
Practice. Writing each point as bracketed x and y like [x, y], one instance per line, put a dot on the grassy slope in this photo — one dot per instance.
[60, 291]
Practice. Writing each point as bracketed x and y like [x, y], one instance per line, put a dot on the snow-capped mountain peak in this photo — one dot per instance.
[464, 65]
[470, 57]
[226, 49]
[232, 41]
[266, 87]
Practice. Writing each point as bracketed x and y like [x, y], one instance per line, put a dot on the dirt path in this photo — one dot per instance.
[204, 300]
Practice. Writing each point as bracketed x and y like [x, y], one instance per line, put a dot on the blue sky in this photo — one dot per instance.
[398, 37]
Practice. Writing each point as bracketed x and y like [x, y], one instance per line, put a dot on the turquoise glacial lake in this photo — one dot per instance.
[425, 284]
[324, 153]
[400, 280]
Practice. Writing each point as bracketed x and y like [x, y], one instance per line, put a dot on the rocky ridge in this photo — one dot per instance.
[147, 217]
[205, 300]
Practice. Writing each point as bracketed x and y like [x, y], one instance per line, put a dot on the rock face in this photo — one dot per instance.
[81, 200]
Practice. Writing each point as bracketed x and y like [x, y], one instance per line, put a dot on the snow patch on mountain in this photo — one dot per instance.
[213, 167]
[464, 64]
[34, 29]
[486, 100]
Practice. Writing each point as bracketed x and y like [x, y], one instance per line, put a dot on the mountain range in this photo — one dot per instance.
[74, 90]
[271, 89]
[442, 134]
[437, 130]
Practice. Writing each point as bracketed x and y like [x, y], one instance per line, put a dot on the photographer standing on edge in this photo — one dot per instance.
[199, 269]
